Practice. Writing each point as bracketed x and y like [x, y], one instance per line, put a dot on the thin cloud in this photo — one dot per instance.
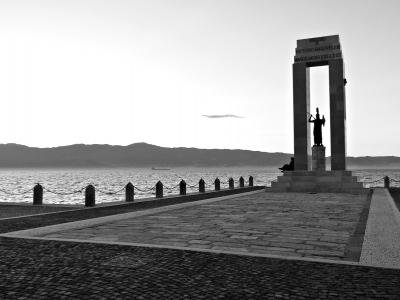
[222, 116]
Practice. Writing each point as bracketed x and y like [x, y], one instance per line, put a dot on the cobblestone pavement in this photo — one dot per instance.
[289, 224]
[37, 269]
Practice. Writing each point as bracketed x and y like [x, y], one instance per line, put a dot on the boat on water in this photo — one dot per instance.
[158, 169]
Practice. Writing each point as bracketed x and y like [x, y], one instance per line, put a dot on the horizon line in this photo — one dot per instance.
[176, 147]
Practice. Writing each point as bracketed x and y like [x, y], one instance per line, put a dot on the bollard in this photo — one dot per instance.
[386, 182]
[217, 184]
[38, 194]
[202, 186]
[241, 182]
[129, 192]
[159, 189]
[231, 183]
[182, 187]
[90, 196]
[251, 181]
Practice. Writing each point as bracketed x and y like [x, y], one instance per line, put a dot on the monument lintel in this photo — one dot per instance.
[318, 51]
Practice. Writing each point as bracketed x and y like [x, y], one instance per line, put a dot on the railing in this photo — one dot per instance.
[158, 190]
[381, 182]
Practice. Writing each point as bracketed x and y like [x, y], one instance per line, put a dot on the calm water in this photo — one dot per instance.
[65, 181]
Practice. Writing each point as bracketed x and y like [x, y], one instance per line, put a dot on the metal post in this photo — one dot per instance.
[159, 189]
[38, 194]
[386, 182]
[217, 184]
[129, 192]
[182, 187]
[251, 181]
[241, 182]
[202, 186]
[90, 196]
[231, 183]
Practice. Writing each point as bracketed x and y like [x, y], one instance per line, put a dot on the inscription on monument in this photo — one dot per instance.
[318, 49]
[318, 57]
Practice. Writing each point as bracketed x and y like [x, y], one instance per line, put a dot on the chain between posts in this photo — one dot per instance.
[110, 192]
[170, 188]
[374, 181]
[16, 194]
[63, 193]
[145, 190]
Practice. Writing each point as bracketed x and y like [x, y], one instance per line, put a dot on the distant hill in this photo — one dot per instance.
[374, 162]
[146, 155]
[134, 155]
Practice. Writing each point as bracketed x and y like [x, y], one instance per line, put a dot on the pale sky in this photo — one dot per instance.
[120, 72]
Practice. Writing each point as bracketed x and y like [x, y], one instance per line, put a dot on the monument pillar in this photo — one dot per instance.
[337, 98]
[301, 105]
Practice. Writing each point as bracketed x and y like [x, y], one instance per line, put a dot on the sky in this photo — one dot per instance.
[159, 71]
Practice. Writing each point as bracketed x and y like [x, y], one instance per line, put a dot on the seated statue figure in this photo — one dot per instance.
[288, 167]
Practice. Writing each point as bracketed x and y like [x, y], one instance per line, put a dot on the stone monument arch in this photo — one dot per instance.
[320, 51]
[314, 52]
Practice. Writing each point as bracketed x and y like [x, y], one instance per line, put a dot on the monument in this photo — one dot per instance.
[310, 174]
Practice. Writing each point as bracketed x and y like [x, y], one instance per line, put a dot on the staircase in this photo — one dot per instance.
[317, 181]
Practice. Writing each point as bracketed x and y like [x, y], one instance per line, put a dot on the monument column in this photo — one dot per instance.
[301, 106]
[337, 114]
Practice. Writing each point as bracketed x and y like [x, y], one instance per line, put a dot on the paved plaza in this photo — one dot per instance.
[288, 224]
[221, 248]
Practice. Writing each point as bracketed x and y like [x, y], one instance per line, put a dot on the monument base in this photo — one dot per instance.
[318, 158]
[317, 182]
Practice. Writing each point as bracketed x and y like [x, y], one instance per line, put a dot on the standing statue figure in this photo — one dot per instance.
[318, 123]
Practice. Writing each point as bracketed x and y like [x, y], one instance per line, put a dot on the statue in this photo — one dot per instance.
[288, 167]
[318, 123]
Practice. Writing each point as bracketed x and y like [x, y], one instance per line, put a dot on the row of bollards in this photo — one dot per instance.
[90, 191]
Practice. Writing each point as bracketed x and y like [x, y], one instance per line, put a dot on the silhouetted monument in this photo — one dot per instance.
[318, 123]
[310, 53]
[309, 174]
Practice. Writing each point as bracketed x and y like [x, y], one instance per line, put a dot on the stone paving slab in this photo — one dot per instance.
[39, 220]
[37, 269]
[288, 224]
[381, 245]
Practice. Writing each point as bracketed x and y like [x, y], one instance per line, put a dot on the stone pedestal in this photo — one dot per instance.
[318, 158]
[317, 182]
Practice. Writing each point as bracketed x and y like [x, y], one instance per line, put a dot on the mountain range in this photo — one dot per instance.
[147, 155]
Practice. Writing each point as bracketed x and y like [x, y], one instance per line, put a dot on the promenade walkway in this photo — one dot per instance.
[289, 224]
[250, 246]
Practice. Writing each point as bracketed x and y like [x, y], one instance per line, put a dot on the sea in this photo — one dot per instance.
[66, 186]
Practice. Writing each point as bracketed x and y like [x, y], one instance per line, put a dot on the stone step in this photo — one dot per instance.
[317, 173]
[317, 181]
[317, 178]
[317, 184]
[316, 190]
[280, 184]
